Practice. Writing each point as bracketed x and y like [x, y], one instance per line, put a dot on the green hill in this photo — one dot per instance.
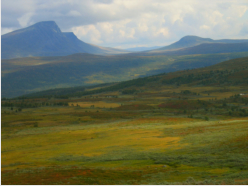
[229, 73]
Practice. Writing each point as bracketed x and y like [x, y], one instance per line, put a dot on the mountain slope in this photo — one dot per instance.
[190, 41]
[210, 48]
[46, 39]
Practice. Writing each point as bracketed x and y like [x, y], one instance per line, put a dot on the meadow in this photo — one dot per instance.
[162, 135]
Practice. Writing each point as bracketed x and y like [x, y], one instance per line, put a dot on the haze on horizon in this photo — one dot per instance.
[132, 23]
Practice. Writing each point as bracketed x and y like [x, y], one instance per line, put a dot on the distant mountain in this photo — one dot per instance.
[190, 41]
[46, 39]
[210, 48]
[139, 49]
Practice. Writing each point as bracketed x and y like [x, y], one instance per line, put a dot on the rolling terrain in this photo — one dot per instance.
[26, 75]
[228, 73]
[184, 127]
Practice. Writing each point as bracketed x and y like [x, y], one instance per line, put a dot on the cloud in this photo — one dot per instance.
[24, 20]
[163, 31]
[74, 13]
[132, 22]
[11, 11]
[88, 31]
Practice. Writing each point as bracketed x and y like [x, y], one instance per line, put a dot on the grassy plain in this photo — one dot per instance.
[157, 136]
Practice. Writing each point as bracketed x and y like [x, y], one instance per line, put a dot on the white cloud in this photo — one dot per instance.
[74, 13]
[89, 31]
[163, 31]
[204, 27]
[24, 20]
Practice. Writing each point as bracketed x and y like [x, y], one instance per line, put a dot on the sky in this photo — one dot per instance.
[132, 23]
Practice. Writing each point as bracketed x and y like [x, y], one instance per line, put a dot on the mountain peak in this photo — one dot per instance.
[41, 27]
[46, 25]
[46, 39]
[187, 41]
[194, 38]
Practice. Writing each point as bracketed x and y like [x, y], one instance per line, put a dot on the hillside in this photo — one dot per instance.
[229, 73]
[26, 75]
[211, 48]
[46, 39]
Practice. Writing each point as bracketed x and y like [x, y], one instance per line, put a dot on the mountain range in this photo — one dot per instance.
[46, 39]
[61, 60]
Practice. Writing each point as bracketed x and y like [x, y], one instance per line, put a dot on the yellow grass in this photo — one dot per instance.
[94, 81]
[218, 171]
[38, 146]
[160, 98]
[100, 104]
[116, 93]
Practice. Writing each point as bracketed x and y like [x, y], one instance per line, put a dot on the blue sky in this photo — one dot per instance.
[132, 23]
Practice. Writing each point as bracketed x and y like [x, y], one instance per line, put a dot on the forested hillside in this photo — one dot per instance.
[229, 73]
